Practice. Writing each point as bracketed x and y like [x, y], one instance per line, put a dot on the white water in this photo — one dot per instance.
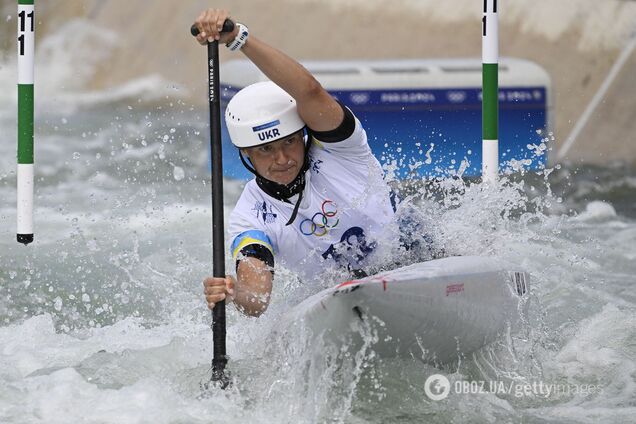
[102, 318]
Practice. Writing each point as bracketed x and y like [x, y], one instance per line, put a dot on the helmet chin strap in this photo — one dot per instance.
[283, 192]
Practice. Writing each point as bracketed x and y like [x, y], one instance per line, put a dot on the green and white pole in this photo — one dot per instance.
[26, 62]
[490, 92]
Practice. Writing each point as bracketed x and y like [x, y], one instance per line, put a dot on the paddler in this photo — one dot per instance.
[318, 198]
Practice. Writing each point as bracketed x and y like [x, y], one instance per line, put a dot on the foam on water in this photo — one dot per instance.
[102, 318]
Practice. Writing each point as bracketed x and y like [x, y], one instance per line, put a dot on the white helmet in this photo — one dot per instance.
[261, 113]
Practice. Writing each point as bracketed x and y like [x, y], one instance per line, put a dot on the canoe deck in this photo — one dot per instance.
[436, 310]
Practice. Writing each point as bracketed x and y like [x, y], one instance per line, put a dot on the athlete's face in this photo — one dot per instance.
[281, 160]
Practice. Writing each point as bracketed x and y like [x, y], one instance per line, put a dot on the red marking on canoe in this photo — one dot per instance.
[454, 288]
[347, 283]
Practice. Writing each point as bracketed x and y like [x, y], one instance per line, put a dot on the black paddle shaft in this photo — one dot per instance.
[218, 243]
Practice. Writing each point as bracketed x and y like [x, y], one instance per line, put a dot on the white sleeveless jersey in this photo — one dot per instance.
[345, 206]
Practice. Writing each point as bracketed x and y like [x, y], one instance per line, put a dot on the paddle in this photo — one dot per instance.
[219, 360]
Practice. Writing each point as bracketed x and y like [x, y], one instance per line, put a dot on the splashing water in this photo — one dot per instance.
[102, 318]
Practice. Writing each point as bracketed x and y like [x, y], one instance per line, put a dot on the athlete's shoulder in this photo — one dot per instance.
[355, 147]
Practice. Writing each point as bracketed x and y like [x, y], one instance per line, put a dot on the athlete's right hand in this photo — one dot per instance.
[218, 289]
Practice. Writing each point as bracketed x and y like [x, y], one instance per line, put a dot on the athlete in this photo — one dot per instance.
[318, 199]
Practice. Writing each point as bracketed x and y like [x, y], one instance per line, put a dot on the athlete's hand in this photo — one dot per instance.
[218, 289]
[210, 23]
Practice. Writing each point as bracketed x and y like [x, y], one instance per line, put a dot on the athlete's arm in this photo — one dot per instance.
[252, 250]
[340, 133]
[250, 294]
[254, 286]
[315, 105]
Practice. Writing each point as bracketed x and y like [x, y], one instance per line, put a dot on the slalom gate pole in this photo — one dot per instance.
[26, 62]
[219, 360]
[490, 92]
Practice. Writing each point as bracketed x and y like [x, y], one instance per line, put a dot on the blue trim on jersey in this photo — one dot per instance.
[250, 237]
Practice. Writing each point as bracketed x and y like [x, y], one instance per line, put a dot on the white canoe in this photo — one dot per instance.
[435, 311]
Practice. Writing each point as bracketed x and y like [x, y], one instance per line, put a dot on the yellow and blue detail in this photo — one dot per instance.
[249, 237]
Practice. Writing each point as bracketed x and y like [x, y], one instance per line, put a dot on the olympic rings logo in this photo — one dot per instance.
[320, 224]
